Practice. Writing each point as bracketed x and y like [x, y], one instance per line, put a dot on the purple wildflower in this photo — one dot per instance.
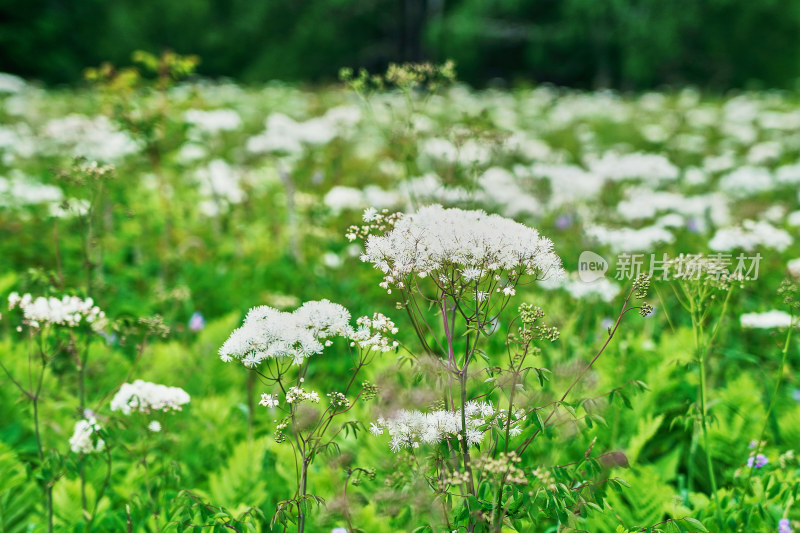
[197, 322]
[758, 461]
[784, 526]
[564, 221]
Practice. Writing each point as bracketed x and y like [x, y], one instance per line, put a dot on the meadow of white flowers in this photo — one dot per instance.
[172, 356]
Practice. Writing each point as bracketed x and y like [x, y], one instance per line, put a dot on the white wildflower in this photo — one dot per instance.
[297, 395]
[68, 311]
[435, 240]
[409, 429]
[269, 400]
[749, 236]
[84, 439]
[213, 121]
[766, 320]
[145, 397]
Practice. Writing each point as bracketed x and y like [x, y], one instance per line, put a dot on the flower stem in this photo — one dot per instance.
[702, 352]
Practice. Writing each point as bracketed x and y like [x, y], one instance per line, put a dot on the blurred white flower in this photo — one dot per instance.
[85, 439]
[68, 311]
[145, 397]
[766, 320]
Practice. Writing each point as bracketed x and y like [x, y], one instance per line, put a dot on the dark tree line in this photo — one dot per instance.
[585, 43]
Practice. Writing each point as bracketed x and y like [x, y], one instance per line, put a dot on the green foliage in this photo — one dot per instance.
[19, 497]
[622, 452]
[237, 485]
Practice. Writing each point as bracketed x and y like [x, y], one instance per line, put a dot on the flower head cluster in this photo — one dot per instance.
[146, 397]
[269, 400]
[784, 526]
[85, 439]
[338, 399]
[751, 236]
[268, 333]
[757, 461]
[469, 244]
[297, 395]
[545, 477]
[530, 329]
[368, 391]
[409, 429]
[213, 121]
[69, 311]
[371, 333]
[504, 465]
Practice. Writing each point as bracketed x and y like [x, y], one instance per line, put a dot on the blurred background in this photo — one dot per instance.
[622, 44]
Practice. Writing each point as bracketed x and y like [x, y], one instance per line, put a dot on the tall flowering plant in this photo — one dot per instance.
[456, 272]
[279, 347]
[53, 327]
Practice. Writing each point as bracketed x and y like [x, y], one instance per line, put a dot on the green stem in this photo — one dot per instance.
[48, 488]
[702, 352]
[706, 443]
[301, 516]
[778, 382]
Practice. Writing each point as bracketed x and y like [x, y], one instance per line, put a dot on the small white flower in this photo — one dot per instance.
[84, 440]
[369, 214]
[269, 400]
[154, 426]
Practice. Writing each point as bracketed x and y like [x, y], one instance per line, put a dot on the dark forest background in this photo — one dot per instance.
[625, 44]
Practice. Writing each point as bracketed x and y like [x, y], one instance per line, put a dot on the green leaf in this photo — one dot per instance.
[694, 522]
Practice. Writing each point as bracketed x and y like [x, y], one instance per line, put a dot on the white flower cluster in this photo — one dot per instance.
[84, 439]
[370, 333]
[269, 333]
[338, 399]
[435, 241]
[19, 189]
[617, 167]
[69, 311]
[284, 135]
[95, 138]
[145, 397]
[750, 236]
[766, 320]
[630, 239]
[409, 429]
[603, 289]
[213, 121]
[269, 400]
[298, 395]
